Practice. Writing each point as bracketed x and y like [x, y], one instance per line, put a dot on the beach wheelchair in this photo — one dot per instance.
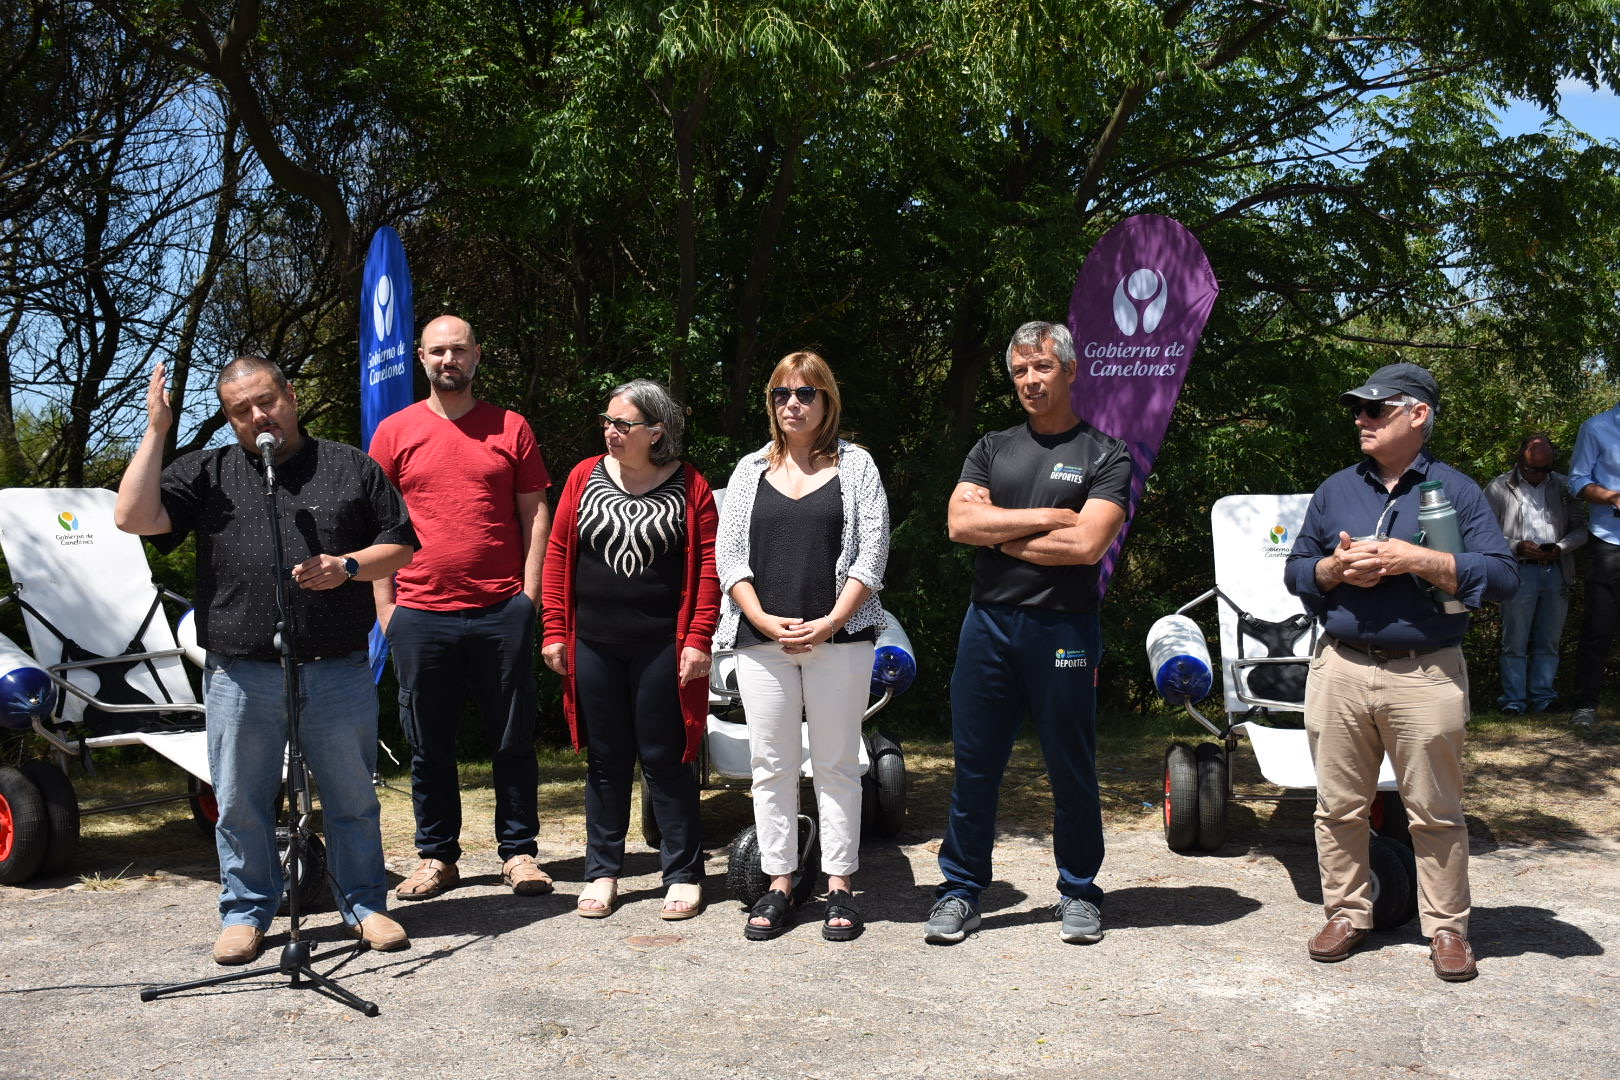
[105, 668]
[1266, 641]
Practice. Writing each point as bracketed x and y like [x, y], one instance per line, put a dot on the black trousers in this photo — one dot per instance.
[628, 704]
[441, 657]
[1602, 606]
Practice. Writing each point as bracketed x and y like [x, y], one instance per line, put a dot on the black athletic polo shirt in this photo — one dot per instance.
[1023, 469]
[333, 499]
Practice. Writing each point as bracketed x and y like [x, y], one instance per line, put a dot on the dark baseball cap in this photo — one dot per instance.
[1392, 379]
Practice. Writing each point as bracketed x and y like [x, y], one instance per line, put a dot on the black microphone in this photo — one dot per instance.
[266, 444]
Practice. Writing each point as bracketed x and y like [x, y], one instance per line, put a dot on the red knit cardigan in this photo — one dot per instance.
[695, 622]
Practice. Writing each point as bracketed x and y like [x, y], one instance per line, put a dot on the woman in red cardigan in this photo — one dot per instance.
[629, 608]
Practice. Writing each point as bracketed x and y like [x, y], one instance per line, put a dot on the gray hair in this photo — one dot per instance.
[245, 367]
[657, 406]
[1031, 334]
[1428, 421]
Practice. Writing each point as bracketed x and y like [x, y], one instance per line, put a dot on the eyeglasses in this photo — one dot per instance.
[1375, 409]
[623, 427]
[805, 394]
[1536, 470]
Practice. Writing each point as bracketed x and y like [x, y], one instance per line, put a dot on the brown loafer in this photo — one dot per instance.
[1335, 941]
[1452, 957]
[381, 933]
[238, 944]
[429, 879]
[525, 876]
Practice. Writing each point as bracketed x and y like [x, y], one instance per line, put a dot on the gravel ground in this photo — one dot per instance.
[1203, 973]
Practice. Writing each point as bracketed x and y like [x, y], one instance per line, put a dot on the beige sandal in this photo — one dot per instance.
[604, 891]
[682, 892]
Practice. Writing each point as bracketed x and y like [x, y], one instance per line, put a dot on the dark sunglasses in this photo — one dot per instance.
[1375, 409]
[622, 426]
[1536, 469]
[805, 394]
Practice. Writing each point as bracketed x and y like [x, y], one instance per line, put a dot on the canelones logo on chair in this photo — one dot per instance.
[1276, 545]
[68, 522]
[1070, 658]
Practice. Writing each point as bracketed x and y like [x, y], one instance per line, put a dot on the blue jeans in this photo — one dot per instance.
[1009, 660]
[1532, 623]
[247, 739]
[441, 657]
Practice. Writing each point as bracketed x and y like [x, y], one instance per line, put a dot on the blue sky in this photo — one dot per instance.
[1596, 112]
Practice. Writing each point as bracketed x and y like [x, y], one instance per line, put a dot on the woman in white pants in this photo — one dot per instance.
[803, 540]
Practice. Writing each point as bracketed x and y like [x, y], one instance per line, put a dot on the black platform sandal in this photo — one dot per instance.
[777, 909]
[839, 906]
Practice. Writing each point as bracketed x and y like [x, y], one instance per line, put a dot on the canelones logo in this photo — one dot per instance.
[1074, 474]
[383, 307]
[72, 535]
[1276, 545]
[1139, 301]
[1067, 658]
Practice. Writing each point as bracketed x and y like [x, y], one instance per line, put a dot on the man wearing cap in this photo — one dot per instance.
[1388, 675]
[1543, 524]
[1594, 475]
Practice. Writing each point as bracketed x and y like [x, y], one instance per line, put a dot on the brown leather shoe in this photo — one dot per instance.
[525, 876]
[1453, 958]
[429, 879]
[381, 933]
[1335, 941]
[238, 944]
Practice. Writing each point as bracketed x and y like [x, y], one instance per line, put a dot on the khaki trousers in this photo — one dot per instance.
[1415, 708]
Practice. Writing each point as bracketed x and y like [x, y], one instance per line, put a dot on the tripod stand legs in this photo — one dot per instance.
[294, 963]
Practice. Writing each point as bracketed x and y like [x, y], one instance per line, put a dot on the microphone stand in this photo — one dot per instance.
[296, 956]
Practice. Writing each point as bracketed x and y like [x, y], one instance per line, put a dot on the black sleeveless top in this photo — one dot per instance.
[793, 549]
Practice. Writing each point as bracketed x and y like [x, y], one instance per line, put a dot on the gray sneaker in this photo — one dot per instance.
[1082, 922]
[950, 920]
[1583, 718]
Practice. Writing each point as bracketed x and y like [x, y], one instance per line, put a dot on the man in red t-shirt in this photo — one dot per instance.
[461, 617]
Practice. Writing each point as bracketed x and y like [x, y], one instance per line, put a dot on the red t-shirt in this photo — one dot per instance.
[461, 479]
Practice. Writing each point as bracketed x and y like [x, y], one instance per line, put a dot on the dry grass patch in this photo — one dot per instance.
[1531, 780]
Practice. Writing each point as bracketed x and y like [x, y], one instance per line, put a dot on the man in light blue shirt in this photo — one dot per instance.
[1594, 475]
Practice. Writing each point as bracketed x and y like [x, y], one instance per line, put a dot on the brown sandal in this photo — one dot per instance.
[429, 879]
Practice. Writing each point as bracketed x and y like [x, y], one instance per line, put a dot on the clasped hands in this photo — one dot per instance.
[797, 635]
[1364, 563]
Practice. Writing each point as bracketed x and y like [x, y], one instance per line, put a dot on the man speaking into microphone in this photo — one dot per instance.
[343, 526]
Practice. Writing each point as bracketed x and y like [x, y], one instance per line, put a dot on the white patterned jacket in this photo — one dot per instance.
[863, 550]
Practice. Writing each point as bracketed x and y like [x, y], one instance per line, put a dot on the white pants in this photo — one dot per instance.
[827, 686]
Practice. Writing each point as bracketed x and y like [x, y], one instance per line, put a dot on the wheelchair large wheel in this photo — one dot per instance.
[312, 890]
[204, 807]
[1393, 869]
[61, 813]
[1389, 818]
[883, 788]
[1212, 765]
[1180, 797]
[748, 881]
[24, 827]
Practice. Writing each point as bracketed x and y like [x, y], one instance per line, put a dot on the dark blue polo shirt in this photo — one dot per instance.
[1399, 612]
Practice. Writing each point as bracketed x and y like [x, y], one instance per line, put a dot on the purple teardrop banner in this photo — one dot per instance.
[1138, 309]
